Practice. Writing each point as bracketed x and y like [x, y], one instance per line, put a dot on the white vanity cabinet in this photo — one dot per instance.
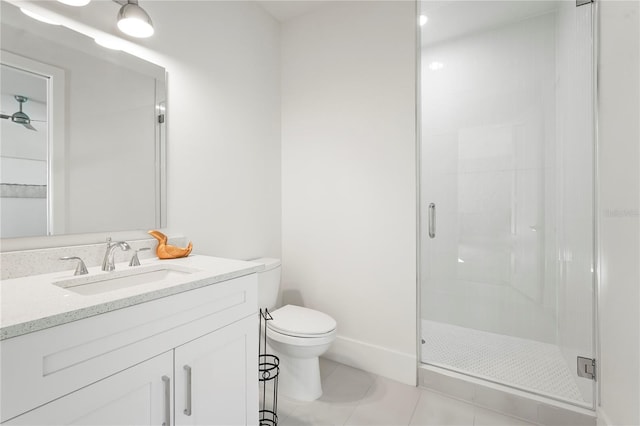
[210, 377]
[127, 366]
[135, 396]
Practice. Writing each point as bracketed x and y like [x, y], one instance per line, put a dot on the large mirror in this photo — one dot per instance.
[90, 156]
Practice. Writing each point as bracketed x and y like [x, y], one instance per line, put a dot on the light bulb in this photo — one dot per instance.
[134, 21]
[423, 20]
[135, 28]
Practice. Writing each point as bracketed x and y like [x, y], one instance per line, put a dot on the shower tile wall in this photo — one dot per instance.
[489, 118]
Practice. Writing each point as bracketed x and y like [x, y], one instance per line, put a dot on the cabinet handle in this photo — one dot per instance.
[167, 401]
[187, 410]
[432, 220]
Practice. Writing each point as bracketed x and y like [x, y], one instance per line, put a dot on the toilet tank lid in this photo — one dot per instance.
[268, 262]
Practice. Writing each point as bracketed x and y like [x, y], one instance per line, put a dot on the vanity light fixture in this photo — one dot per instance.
[75, 2]
[133, 20]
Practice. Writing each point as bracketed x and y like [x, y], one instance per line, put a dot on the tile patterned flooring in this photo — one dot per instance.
[522, 363]
[355, 397]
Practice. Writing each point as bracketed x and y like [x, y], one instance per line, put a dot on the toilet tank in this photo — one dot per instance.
[268, 282]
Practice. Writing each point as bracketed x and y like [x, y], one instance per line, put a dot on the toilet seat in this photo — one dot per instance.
[301, 341]
[296, 321]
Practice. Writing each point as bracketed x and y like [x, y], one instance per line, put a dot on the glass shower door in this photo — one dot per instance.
[507, 193]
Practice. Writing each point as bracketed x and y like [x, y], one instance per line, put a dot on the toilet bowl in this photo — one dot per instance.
[298, 337]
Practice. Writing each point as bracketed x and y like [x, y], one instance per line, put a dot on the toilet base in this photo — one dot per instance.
[299, 378]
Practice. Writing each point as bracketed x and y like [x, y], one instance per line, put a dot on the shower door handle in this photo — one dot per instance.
[432, 220]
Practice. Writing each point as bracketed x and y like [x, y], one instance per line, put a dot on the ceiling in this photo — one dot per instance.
[285, 10]
[447, 18]
[456, 18]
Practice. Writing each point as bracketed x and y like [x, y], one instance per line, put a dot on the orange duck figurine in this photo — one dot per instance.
[166, 251]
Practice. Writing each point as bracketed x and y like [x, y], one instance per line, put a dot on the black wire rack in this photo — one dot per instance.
[268, 370]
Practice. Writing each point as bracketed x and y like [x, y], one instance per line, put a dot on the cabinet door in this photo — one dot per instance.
[140, 395]
[217, 377]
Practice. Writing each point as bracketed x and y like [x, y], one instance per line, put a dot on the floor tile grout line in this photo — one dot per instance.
[474, 405]
[415, 407]
[371, 386]
[370, 389]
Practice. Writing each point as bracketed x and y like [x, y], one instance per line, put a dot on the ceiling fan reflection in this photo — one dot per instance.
[20, 117]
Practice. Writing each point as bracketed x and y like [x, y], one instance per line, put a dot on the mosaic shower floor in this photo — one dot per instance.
[525, 364]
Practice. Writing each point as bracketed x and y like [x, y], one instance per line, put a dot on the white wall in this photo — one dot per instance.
[224, 124]
[619, 193]
[349, 178]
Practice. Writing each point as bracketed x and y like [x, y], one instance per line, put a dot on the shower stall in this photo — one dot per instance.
[507, 194]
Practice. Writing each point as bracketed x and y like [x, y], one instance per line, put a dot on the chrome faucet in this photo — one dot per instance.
[81, 268]
[108, 263]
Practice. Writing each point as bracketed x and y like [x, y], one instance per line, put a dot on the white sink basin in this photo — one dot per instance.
[110, 281]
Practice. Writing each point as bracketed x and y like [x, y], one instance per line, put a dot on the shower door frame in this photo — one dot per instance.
[422, 208]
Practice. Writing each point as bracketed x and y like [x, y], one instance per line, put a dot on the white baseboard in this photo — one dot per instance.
[375, 359]
[603, 419]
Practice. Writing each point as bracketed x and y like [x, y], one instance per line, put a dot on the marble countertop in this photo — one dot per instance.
[34, 303]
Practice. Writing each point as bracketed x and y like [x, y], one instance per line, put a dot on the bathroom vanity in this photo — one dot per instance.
[175, 342]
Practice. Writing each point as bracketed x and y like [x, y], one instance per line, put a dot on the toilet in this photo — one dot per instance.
[296, 335]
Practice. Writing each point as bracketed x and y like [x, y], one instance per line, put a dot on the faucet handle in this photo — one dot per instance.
[81, 269]
[134, 259]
